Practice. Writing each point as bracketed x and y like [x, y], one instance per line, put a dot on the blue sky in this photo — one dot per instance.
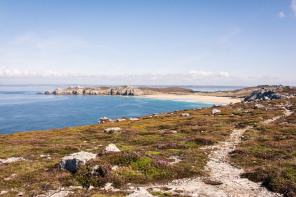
[168, 42]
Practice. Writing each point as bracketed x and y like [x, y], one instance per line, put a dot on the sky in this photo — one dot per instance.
[151, 42]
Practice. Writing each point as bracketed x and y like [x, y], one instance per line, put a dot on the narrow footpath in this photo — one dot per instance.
[220, 171]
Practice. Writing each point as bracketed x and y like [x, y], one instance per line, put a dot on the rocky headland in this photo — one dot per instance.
[119, 90]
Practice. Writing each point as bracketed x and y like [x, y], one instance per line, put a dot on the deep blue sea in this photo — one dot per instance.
[22, 109]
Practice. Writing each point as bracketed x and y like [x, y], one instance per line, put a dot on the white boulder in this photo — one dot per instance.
[215, 111]
[73, 161]
[120, 119]
[12, 159]
[258, 106]
[140, 192]
[112, 130]
[134, 119]
[111, 148]
[185, 114]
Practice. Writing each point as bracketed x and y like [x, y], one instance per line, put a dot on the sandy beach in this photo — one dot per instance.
[195, 98]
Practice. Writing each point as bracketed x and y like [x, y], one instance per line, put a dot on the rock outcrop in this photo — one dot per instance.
[73, 161]
[266, 95]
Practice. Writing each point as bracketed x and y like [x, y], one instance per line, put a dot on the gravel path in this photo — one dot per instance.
[227, 176]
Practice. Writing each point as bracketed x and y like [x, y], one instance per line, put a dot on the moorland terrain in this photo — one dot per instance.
[225, 150]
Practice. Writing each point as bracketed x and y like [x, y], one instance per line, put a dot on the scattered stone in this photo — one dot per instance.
[258, 106]
[44, 155]
[10, 177]
[161, 131]
[167, 132]
[288, 107]
[111, 148]
[104, 120]
[140, 192]
[62, 194]
[73, 161]
[21, 194]
[75, 187]
[95, 169]
[113, 130]
[185, 114]
[109, 187]
[246, 111]
[12, 159]
[212, 182]
[175, 159]
[134, 119]
[214, 111]
[3, 192]
[120, 119]
[115, 168]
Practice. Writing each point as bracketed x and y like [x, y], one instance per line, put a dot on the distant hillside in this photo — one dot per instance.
[242, 93]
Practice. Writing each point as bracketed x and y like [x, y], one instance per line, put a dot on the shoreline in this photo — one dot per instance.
[194, 98]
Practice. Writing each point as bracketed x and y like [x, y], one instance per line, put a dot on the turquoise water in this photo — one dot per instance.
[27, 111]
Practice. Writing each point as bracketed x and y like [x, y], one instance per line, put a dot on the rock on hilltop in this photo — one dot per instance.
[266, 95]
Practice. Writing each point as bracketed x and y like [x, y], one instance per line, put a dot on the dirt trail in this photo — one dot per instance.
[222, 171]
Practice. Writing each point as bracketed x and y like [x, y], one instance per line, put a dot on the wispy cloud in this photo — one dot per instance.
[9, 73]
[190, 77]
[17, 73]
[293, 6]
[281, 15]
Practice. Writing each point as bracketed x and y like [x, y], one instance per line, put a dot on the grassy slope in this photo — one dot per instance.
[147, 145]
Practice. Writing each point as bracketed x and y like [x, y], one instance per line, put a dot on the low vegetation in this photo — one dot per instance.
[148, 146]
[268, 153]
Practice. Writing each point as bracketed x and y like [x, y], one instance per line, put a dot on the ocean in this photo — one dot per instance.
[22, 109]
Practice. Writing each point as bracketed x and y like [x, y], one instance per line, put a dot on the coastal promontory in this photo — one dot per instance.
[118, 90]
